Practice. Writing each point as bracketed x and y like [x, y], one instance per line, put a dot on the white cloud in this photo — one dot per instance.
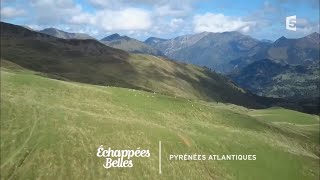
[308, 29]
[165, 26]
[127, 19]
[172, 10]
[54, 11]
[302, 22]
[220, 23]
[83, 18]
[134, 17]
[305, 27]
[10, 12]
[114, 4]
[175, 23]
[116, 20]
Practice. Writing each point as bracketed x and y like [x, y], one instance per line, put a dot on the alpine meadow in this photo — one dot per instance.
[190, 95]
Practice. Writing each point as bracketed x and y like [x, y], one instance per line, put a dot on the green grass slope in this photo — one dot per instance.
[304, 126]
[51, 129]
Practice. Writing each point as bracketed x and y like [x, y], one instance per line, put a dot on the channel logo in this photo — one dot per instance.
[291, 22]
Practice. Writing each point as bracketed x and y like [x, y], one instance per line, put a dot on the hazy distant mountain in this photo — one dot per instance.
[214, 50]
[225, 52]
[172, 46]
[295, 51]
[269, 78]
[154, 40]
[301, 51]
[65, 35]
[129, 44]
[114, 37]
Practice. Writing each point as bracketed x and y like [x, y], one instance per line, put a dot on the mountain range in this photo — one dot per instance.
[115, 40]
[243, 58]
[90, 61]
[301, 51]
[213, 50]
[130, 45]
[95, 62]
[225, 52]
[222, 52]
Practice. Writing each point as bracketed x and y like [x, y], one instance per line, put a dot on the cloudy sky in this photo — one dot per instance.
[165, 18]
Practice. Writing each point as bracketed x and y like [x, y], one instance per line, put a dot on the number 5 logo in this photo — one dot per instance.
[291, 23]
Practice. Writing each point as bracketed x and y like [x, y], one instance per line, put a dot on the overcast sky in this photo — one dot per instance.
[165, 18]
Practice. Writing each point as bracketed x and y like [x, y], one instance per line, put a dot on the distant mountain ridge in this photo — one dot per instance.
[65, 35]
[227, 51]
[154, 40]
[283, 68]
[295, 51]
[213, 50]
[90, 61]
[114, 37]
[130, 45]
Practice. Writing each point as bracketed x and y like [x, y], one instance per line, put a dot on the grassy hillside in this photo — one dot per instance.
[51, 129]
[301, 125]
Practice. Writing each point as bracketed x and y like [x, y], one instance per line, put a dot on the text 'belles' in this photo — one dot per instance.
[120, 158]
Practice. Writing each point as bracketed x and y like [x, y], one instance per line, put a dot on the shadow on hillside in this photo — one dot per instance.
[89, 61]
[85, 61]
